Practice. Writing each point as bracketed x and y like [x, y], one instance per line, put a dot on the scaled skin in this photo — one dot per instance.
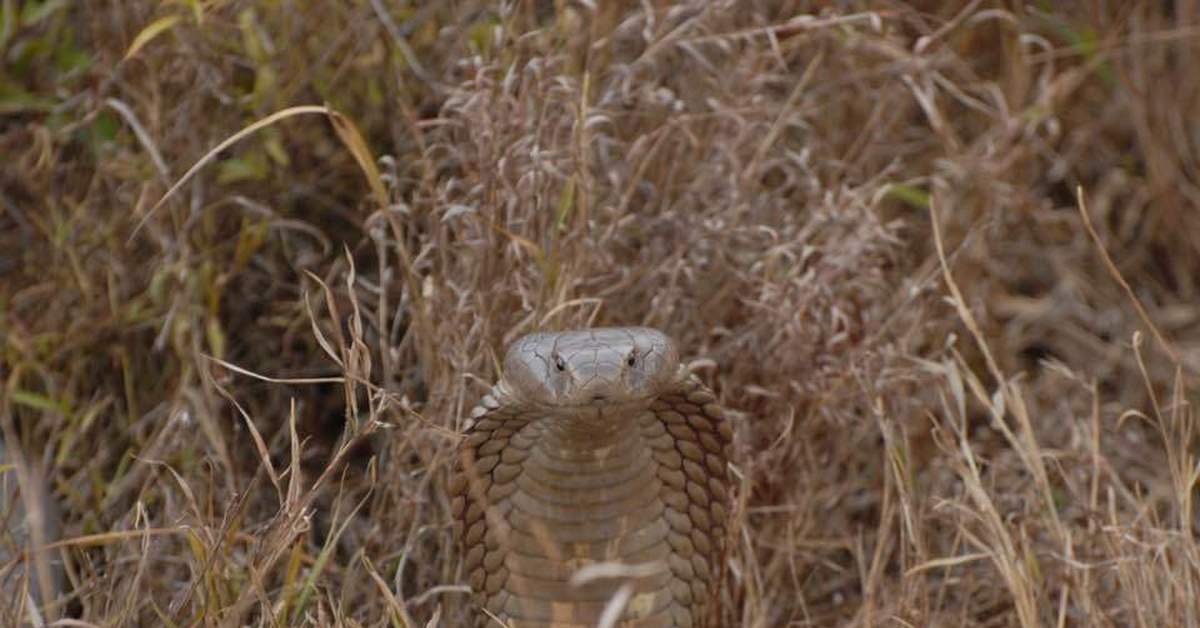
[595, 447]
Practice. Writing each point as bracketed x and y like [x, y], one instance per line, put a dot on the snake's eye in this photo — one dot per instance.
[632, 359]
[558, 363]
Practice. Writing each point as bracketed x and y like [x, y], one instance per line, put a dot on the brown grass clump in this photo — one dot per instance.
[865, 222]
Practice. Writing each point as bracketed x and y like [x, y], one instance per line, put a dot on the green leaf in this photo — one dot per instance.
[273, 143]
[566, 202]
[13, 99]
[34, 12]
[39, 402]
[70, 60]
[152, 30]
[104, 129]
[252, 166]
[909, 195]
[8, 21]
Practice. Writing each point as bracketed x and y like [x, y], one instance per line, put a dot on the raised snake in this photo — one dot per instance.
[596, 446]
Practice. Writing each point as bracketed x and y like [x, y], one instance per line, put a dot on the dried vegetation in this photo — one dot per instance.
[863, 221]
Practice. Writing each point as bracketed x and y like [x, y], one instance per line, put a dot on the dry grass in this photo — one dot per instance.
[863, 222]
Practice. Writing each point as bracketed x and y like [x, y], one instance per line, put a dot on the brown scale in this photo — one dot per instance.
[534, 499]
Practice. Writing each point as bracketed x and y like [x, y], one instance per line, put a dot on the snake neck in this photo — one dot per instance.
[599, 424]
[597, 439]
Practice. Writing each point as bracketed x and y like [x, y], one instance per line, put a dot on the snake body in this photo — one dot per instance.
[596, 448]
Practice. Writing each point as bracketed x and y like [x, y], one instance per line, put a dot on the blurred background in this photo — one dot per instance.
[243, 399]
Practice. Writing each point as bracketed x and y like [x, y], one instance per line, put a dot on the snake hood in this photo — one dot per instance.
[605, 368]
[596, 449]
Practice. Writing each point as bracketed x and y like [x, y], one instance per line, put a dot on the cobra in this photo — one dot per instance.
[595, 448]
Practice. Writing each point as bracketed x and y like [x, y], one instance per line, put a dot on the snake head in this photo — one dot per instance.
[591, 367]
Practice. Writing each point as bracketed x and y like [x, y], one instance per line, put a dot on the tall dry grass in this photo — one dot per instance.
[864, 221]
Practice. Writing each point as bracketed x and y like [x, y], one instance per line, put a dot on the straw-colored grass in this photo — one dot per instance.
[940, 260]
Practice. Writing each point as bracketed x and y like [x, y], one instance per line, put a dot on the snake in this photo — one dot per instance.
[592, 486]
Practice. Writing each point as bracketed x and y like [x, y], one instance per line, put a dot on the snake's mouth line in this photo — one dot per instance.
[605, 405]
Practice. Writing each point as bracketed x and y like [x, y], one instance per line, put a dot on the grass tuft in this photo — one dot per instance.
[916, 248]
